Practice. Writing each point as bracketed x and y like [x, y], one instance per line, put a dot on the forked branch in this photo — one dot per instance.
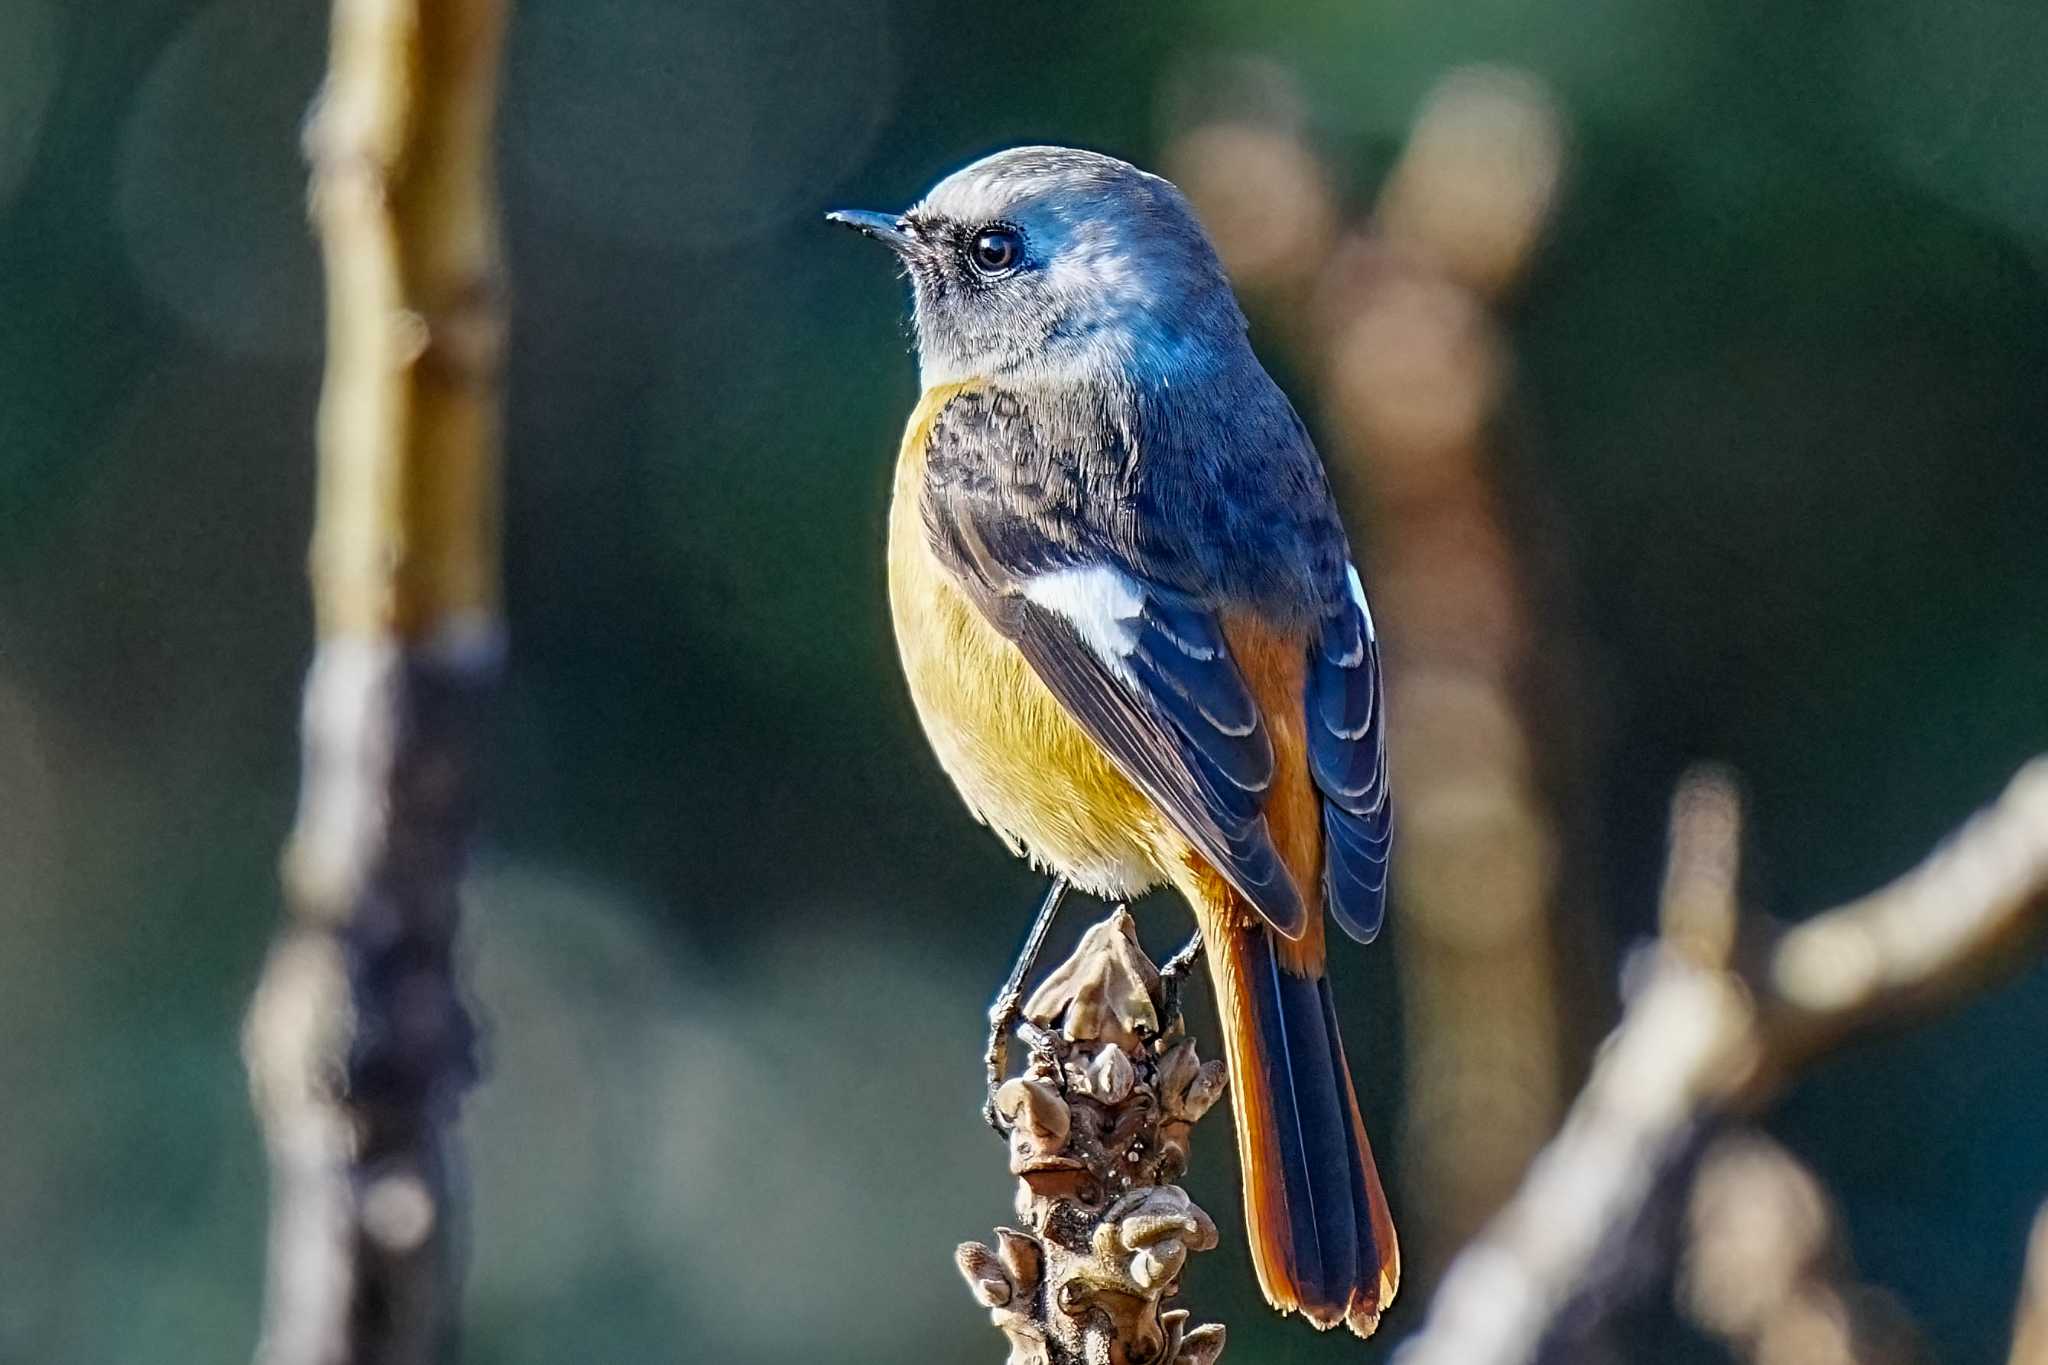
[1099, 1126]
[1712, 1030]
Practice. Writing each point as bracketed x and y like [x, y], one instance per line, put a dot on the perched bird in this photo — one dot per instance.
[1136, 638]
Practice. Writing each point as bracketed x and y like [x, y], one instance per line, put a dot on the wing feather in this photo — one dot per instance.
[1207, 780]
[1348, 758]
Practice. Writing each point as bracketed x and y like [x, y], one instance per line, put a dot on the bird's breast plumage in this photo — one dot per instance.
[1021, 763]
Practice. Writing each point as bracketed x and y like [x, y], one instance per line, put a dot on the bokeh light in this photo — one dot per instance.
[725, 1133]
[698, 125]
[31, 58]
[1955, 99]
[211, 187]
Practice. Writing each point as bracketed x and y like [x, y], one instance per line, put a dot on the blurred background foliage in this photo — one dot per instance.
[1780, 391]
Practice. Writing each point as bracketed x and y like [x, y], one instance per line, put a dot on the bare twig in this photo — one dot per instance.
[357, 1042]
[1099, 1130]
[1699, 1040]
[2030, 1324]
[1766, 1269]
[1697, 914]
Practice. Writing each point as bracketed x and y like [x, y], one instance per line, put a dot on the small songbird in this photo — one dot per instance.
[1137, 640]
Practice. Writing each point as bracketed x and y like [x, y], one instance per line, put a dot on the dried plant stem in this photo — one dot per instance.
[1702, 1038]
[1099, 1128]
[358, 1044]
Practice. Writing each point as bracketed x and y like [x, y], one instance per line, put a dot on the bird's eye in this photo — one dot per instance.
[996, 250]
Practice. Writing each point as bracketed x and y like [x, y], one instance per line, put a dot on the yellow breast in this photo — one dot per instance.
[1022, 765]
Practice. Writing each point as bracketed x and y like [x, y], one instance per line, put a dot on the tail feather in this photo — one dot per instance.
[1314, 1142]
[1321, 1237]
[1381, 1257]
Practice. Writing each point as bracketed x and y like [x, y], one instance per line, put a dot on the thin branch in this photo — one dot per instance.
[358, 1044]
[2030, 1325]
[1699, 1040]
[1697, 914]
[1766, 1268]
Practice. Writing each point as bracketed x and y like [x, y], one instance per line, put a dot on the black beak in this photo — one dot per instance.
[888, 229]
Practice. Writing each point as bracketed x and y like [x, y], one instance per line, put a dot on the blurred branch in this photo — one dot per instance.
[1701, 1038]
[1099, 1128]
[2030, 1324]
[1399, 318]
[358, 1044]
[1416, 368]
[1766, 1269]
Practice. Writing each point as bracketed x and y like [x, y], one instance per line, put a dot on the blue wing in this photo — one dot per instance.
[1167, 704]
[1348, 756]
[1140, 666]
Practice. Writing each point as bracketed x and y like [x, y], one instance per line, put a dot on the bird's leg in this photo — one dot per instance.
[1009, 1005]
[1172, 977]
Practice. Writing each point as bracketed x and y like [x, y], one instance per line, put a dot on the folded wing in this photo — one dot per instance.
[1348, 756]
[1141, 666]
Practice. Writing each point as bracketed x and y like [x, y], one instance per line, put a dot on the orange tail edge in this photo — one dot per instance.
[1322, 1238]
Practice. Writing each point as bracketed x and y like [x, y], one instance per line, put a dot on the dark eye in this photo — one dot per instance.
[995, 250]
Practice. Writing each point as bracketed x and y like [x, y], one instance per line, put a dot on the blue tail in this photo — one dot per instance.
[1321, 1236]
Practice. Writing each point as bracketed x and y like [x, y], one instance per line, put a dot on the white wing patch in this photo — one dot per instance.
[1101, 603]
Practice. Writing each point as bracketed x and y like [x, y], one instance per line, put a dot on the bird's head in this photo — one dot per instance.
[1050, 265]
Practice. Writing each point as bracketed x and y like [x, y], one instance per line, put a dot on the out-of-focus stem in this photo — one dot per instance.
[2030, 1325]
[1396, 321]
[1700, 1040]
[1765, 1267]
[358, 1044]
[1414, 367]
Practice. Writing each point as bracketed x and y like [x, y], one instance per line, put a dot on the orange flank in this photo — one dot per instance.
[1274, 666]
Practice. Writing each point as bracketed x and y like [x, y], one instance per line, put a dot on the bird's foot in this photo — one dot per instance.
[1007, 1014]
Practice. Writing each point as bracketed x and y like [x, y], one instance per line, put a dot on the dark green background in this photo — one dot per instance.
[1783, 376]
